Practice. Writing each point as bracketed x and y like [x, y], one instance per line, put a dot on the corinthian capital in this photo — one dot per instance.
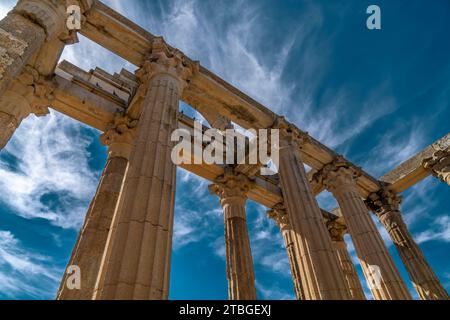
[165, 60]
[32, 92]
[279, 214]
[289, 133]
[231, 186]
[336, 229]
[337, 174]
[383, 201]
[439, 165]
[119, 136]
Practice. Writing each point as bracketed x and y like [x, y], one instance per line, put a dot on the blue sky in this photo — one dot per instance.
[377, 97]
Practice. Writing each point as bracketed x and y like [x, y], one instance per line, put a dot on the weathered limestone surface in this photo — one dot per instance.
[322, 277]
[439, 165]
[30, 93]
[279, 214]
[91, 243]
[136, 263]
[20, 38]
[385, 205]
[340, 180]
[232, 189]
[23, 33]
[337, 231]
[32, 37]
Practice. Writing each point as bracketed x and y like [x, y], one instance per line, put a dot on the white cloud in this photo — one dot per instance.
[395, 146]
[22, 272]
[418, 201]
[439, 231]
[273, 292]
[51, 177]
[191, 226]
[218, 247]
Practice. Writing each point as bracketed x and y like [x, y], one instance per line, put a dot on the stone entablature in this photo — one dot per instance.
[439, 165]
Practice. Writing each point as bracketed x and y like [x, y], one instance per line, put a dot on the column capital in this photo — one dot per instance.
[40, 90]
[279, 214]
[439, 164]
[289, 133]
[119, 136]
[336, 229]
[232, 188]
[382, 201]
[164, 60]
[337, 174]
[29, 93]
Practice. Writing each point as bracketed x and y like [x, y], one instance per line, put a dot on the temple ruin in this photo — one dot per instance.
[124, 247]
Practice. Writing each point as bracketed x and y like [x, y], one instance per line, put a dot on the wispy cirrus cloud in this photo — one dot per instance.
[397, 145]
[439, 230]
[273, 292]
[23, 272]
[45, 172]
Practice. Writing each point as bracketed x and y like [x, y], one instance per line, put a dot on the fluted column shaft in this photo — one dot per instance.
[241, 278]
[321, 276]
[368, 243]
[281, 218]
[136, 264]
[337, 231]
[348, 268]
[385, 204]
[91, 243]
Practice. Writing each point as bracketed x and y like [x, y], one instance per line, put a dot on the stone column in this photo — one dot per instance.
[232, 190]
[385, 204]
[337, 232]
[339, 178]
[439, 165]
[31, 37]
[91, 243]
[322, 278]
[136, 264]
[279, 214]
